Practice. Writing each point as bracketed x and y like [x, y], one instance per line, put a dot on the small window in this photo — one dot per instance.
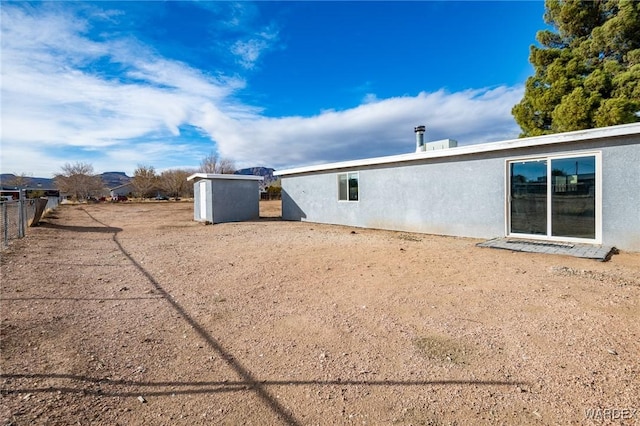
[348, 186]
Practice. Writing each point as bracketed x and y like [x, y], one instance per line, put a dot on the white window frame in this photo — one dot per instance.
[549, 158]
[348, 175]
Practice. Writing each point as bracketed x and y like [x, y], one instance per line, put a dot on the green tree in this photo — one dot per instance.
[79, 181]
[587, 71]
[144, 181]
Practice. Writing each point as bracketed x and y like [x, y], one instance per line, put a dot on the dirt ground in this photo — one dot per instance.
[134, 314]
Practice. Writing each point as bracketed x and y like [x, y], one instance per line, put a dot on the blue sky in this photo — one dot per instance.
[276, 84]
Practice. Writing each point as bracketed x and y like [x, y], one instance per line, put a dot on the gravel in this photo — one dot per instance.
[134, 314]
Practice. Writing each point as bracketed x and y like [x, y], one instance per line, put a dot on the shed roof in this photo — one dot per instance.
[558, 138]
[212, 176]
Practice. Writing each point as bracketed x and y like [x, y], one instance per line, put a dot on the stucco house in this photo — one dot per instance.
[125, 189]
[581, 186]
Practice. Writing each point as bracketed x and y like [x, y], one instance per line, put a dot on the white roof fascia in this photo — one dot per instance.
[197, 176]
[558, 138]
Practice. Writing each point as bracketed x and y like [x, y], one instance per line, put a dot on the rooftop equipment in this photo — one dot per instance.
[421, 146]
[419, 137]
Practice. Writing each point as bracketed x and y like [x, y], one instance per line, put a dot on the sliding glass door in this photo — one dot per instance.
[529, 197]
[573, 197]
[554, 197]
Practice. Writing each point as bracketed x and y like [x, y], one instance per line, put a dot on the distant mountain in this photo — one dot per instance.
[113, 179]
[10, 180]
[110, 179]
[265, 172]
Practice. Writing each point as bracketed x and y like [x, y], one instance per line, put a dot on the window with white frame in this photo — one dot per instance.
[348, 186]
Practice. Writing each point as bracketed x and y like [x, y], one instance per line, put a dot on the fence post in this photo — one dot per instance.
[5, 223]
[22, 213]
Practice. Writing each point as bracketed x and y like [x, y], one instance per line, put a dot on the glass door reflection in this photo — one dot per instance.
[529, 197]
[573, 197]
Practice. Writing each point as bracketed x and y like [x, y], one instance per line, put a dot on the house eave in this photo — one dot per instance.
[511, 144]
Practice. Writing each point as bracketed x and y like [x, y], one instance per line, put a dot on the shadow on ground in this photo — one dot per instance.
[85, 385]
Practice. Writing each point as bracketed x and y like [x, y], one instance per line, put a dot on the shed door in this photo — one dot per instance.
[203, 200]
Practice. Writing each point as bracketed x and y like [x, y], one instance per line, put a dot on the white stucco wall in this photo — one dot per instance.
[462, 195]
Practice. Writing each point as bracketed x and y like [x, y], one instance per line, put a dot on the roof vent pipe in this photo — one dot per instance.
[419, 137]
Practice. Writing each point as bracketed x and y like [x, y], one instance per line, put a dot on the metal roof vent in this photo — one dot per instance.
[419, 137]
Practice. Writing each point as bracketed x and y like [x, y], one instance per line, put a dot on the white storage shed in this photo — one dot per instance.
[220, 198]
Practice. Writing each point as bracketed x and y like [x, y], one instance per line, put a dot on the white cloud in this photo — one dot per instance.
[370, 98]
[250, 50]
[57, 108]
[378, 127]
[51, 98]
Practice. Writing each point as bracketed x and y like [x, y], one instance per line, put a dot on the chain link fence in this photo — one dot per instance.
[17, 215]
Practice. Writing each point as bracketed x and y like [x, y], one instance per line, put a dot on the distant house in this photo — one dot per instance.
[13, 193]
[9, 193]
[581, 186]
[125, 190]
